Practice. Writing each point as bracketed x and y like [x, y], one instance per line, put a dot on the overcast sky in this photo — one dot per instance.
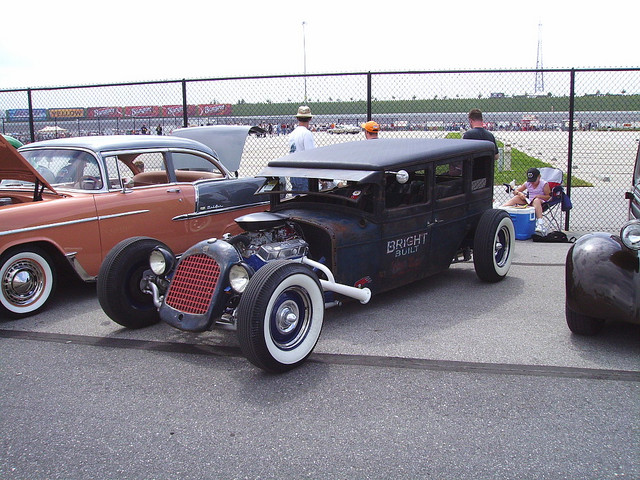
[71, 42]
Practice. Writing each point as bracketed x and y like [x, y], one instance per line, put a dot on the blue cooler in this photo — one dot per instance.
[524, 221]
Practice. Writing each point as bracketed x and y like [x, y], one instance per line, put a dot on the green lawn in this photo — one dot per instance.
[520, 163]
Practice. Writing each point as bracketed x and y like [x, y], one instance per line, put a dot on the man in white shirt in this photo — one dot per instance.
[301, 139]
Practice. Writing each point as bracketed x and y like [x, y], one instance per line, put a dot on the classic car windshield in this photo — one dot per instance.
[337, 192]
[66, 168]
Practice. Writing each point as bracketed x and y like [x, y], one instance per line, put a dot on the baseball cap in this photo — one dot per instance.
[532, 174]
[371, 126]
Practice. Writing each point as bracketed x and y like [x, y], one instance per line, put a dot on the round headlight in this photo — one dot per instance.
[238, 278]
[160, 261]
[630, 234]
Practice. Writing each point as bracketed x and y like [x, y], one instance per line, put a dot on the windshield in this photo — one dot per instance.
[326, 191]
[64, 168]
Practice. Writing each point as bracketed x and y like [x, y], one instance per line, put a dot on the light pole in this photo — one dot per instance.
[304, 51]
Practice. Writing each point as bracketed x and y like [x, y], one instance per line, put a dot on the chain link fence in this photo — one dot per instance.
[584, 122]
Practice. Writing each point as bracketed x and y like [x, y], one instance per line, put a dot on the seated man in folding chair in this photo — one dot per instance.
[538, 192]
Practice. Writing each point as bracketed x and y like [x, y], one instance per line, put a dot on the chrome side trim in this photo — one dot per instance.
[123, 214]
[206, 213]
[70, 222]
[50, 225]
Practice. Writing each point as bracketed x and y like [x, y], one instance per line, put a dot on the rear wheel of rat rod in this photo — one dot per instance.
[280, 316]
[493, 245]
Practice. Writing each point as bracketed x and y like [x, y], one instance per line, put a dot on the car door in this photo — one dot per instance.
[143, 200]
[463, 191]
[450, 222]
[406, 228]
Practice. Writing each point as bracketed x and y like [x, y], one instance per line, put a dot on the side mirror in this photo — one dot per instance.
[401, 176]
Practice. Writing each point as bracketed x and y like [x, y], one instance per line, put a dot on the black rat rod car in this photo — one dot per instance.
[376, 215]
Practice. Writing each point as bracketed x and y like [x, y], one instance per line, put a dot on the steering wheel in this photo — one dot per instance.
[88, 182]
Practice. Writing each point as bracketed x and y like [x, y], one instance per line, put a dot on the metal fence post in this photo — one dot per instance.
[369, 109]
[32, 128]
[185, 116]
[572, 99]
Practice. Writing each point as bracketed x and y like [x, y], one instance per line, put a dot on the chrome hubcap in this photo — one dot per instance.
[290, 319]
[287, 317]
[22, 282]
[501, 250]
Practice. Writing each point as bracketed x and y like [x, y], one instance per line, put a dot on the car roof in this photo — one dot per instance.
[384, 154]
[358, 160]
[108, 143]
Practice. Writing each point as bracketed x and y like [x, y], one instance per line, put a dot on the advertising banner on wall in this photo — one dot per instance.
[143, 111]
[177, 110]
[22, 114]
[209, 110]
[66, 113]
[104, 112]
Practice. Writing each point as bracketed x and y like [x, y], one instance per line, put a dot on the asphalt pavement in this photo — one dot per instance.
[446, 378]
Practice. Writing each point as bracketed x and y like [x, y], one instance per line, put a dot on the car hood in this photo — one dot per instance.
[226, 140]
[13, 166]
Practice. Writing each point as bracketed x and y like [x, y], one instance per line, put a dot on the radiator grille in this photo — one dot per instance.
[193, 284]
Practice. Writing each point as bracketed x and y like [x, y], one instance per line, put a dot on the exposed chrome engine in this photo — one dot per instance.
[278, 243]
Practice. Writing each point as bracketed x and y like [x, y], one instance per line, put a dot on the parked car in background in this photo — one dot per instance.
[602, 275]
[338, 129]
[67, 202]
[376, 216]
[12, 141]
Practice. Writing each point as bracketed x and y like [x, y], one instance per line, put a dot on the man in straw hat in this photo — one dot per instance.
[301, 139]
[371, 130]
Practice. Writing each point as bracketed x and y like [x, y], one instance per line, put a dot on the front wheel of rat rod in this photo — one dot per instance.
[120, 282]
[280, 316]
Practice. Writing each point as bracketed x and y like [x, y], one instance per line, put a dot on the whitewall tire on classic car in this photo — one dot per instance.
[280, 316]
[119, 283]
[493, 245]
[27, 281]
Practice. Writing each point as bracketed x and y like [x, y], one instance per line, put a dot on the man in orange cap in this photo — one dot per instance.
[371, 130]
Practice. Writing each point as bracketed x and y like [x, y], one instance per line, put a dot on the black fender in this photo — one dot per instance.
[602, 279]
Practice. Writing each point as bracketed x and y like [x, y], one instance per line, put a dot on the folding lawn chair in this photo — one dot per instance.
[554, 208]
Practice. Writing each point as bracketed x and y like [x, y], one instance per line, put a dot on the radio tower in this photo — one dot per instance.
[539, 88]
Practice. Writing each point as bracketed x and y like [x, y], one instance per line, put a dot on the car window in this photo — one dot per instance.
[449, 179]
[150, 168]
[194, 163]
[66, 168]
[481, 173]
[413, 192]
[137, 170]
[118, 172]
